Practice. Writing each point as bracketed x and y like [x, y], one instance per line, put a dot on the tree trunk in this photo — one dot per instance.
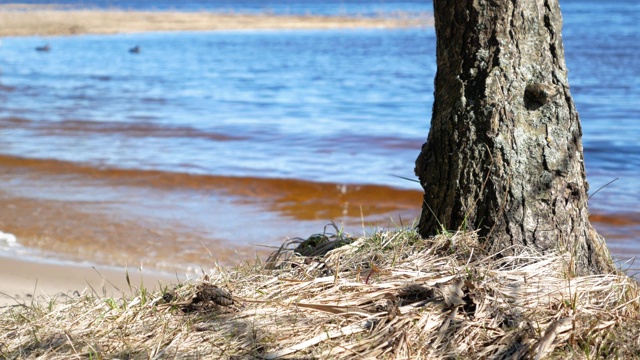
[504, 154]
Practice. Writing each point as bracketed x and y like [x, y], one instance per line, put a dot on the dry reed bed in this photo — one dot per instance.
[69, 22]
[390, 295]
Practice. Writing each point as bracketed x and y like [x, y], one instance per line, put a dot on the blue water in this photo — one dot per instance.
[602, 44]
[340, 106]
[329, 7]
[226, 103]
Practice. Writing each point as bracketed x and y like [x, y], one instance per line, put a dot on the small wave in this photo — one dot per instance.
[290, 196]
[630, 219]
[7, 239]
[101, 77]
[141, 129]
[6, 88]
[14, 122]
[154, 100]
[380, 141]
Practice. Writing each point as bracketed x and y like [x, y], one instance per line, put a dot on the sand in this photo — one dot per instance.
[23, 281]
[45, 21]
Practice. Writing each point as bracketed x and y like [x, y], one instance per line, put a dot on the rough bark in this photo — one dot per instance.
[504, 154]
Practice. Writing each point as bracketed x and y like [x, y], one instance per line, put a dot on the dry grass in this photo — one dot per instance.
[390, 295]
[18, 21]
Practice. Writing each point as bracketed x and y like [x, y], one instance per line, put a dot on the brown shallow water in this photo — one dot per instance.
[178, 221]
[182, 222]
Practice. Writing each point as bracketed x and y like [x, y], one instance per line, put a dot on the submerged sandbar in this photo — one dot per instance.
[22, 20]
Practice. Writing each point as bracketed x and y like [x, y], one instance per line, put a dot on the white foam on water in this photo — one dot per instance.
[8, 239]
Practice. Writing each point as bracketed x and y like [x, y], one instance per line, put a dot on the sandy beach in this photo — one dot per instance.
[24, 280]
[46, 21]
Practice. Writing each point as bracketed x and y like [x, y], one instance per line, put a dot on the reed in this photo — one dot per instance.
[387, 295]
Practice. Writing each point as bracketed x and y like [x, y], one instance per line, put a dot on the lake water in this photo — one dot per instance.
[328, 7]
[208, 143]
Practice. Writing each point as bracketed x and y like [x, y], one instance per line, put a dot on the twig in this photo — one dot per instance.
[603, 186]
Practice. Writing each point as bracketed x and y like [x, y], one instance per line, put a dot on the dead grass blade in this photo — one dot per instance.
[391, 295]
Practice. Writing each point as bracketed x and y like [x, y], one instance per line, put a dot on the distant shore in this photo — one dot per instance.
[24, 20]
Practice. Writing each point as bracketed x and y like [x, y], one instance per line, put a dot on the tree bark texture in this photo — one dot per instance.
[504, 154]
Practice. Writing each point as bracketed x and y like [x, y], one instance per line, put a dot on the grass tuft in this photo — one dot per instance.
[389, 295]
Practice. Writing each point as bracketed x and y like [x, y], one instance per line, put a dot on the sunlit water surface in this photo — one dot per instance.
[209, 142]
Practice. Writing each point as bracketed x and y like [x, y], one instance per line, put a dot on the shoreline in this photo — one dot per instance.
[89, 230]
[27, 280]
[37, 21]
